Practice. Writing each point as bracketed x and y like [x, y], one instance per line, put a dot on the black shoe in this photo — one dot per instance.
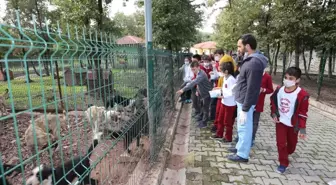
[215, 137]
[232, 150]
[214, 129]
[236, 158]
[198, 117]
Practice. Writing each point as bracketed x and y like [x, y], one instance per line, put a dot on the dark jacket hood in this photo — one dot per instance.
[259, 56]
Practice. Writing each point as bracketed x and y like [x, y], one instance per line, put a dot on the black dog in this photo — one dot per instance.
[73, 168]
[123, 101]
[6, 168]
[117, 99]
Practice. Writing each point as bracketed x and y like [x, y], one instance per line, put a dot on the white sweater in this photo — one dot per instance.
[187, 73]
[227, 91]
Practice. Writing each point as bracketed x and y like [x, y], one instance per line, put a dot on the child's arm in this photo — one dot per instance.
[269, 88]
[182, 67]
[193, 83]
[302, 111]
[273, 107]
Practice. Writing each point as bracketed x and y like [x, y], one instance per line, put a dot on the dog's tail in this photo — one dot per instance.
[96, 138]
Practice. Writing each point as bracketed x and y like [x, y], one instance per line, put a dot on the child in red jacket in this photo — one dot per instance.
[266, 88]
[289, 107]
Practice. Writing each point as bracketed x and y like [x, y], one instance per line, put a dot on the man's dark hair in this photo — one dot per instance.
[227, 66]
[219, 51]
[198, 57]
[250, 40]
[294, 71]
[194, 64]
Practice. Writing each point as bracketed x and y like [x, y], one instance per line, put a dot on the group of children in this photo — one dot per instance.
[289, 104]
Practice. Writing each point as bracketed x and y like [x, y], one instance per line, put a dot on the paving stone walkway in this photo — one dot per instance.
[314, 161]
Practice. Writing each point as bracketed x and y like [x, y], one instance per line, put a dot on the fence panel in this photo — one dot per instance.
[58, 83]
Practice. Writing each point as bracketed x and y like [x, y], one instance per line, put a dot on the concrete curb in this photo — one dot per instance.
[154, 176]
[319, 105]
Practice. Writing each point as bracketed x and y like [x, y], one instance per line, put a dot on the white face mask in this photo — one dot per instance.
[221, 74]
[289, 83]
[217, 58]
[206, 64]
[186, 62]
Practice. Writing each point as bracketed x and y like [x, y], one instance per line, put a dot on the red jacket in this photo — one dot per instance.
[300, 116]
[267, 84]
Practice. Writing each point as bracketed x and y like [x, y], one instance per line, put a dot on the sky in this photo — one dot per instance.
[117, 6]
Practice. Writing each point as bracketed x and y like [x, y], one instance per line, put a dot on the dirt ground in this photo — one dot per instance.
[328, 90]
[113, 169]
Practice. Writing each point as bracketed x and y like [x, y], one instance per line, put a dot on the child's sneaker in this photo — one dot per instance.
[281, 169]
[215, 137]
[188, 101]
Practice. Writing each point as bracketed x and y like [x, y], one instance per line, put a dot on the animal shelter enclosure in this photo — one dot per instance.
[78, 107]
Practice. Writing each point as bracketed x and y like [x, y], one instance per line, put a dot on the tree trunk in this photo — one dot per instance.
[334, 60]
[297, 53]
[39, 20]
[321, 73]
[276, 58]
[290, 56]
[270, 61]
[101, 14]
[305, 64]
[310, 58]
[284, 58]
[330, 64]
[27, 64]
[37, 73]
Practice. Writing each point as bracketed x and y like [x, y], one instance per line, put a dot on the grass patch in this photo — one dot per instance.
[31, 96]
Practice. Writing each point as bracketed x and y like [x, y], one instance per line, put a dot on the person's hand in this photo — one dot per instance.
[302, 136]
[179, 92]
[261, 90]
[276, 120]
[242, 117]
[197, 94]
[221, 97]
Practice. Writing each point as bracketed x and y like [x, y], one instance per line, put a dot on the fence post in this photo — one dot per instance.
[171, 78]
[150, 74]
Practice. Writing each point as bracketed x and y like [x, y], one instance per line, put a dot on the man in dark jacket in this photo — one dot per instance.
[246, 96]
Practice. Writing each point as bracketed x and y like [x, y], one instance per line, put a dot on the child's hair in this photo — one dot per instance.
[212, 57]
[219, 51]
[206, 58]
[198, 57]
[294, 71]
[194, 64]
[227, 66]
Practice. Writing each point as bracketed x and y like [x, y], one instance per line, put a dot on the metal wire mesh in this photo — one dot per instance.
[52, 81]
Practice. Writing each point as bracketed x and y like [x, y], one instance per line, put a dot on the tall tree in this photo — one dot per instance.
[175, 23]
[130, 24]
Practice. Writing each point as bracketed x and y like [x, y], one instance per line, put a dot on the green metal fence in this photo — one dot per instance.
[61, 72]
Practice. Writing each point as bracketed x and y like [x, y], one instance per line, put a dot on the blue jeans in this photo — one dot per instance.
[245, 131]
